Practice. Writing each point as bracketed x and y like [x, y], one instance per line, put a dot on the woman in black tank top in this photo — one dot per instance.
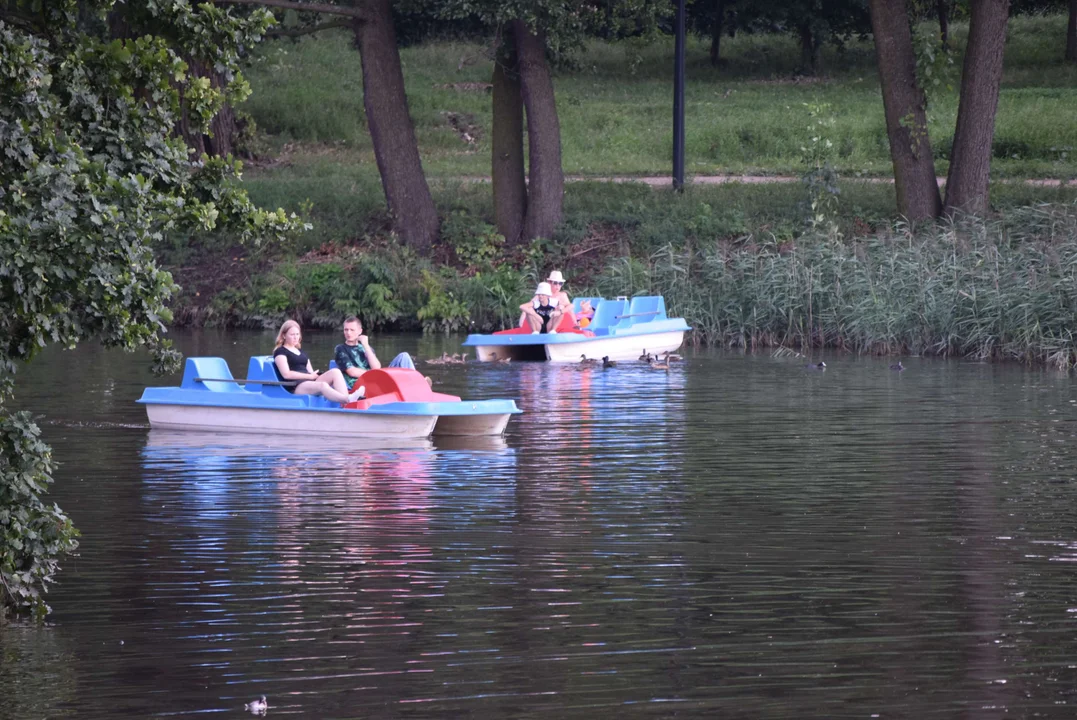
[292, 364]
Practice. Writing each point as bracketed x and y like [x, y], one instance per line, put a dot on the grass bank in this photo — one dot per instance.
[747, 116]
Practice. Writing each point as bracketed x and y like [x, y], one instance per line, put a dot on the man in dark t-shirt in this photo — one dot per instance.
[355, 356]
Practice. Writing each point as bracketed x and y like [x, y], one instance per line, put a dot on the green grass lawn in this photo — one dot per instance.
[747, 116]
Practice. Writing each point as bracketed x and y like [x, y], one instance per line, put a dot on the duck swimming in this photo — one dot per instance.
[607, 363]
[257, 707]
[655, 365]
[672, 357]
[444, 359]
[646, 356]
[897, 366]
[816, 366]
[588, 362]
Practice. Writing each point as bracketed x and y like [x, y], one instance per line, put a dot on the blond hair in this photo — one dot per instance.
[288, 325]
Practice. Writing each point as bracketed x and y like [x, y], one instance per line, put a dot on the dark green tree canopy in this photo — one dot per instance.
[91, 175]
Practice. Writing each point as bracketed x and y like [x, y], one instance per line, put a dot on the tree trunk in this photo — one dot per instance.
[1071, 34]
[395, 148]
[904, 104]
[809, 50]
[219, 141]
[507, 141]
[716, 32]
[546, 180]
[970, 162]
[944, 21]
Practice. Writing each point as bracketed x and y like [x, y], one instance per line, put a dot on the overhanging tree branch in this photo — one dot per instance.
[20, 21]
[322, 8]
[298, 32]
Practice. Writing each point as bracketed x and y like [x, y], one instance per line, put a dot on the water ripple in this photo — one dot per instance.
[738, 538]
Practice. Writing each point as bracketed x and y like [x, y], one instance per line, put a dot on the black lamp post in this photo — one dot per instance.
[678, 100]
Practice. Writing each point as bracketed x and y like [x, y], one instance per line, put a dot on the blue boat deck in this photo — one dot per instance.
[208, 382]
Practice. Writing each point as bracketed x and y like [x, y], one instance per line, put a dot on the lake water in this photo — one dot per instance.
[737, 538]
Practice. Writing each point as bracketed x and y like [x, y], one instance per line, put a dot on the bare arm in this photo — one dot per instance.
[371, 357]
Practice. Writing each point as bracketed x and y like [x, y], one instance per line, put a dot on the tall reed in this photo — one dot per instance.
[1000, 289]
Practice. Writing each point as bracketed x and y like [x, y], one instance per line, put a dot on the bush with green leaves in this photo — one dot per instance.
[476, 242]
[91, 177]
[33, 535]
[443, 311]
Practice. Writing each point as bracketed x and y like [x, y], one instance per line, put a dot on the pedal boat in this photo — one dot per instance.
[621, 329]
[399, 404]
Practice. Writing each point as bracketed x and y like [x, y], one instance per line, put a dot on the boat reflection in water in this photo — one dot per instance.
[281, 477]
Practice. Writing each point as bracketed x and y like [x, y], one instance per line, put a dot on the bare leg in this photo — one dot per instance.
[533, 320]
[335, 378]
[314, 387]
[555, 320]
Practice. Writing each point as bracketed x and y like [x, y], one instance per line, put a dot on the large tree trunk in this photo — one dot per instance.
[1071, 34]
[507, 141]
[944, 20]
[414, 216]
[546, 180]
[970, 162]
[809, 49]
[906, 120]
[716, 32]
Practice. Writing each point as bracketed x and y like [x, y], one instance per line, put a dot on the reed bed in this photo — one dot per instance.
[1004, 289]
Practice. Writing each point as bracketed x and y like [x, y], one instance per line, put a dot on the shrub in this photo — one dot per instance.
[33, 535]
[442, 311]
[475, 242]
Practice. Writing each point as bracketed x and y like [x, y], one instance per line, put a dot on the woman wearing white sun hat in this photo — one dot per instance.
[542, 314]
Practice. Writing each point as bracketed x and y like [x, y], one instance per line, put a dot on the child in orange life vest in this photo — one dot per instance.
[585, 315]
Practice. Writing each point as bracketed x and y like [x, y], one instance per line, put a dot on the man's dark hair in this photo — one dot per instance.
[353, 319]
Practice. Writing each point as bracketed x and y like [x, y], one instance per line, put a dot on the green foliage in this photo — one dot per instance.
[476, 243]
[814, 21]
[1006, 289]
[936, 70]
[493, 298]
[820, 179]
[564, 24]
[707, 224]
[33, 535]
[91, 178]
[442, 311]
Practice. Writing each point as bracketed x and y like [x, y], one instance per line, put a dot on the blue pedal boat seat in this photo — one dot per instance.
[262, 367]
[208, 367]
[606, 315]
